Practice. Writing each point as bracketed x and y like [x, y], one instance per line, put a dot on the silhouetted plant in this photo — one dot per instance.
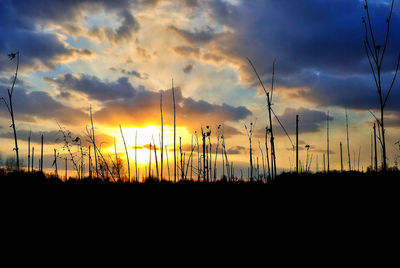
[29, 150]
[327, 142]
[348, 140]
[41, 154]
[249, 135]
[269, 103]
[173, 99]
[10, 108]
[155, 157]
[117, 167]
[204, 135]
[190, 160]
[136, 165]
[93, 139]
[182, 166]
[166, 154]
[68, 142]
[56, 155]
[224, 154]
[377, 53]
[262, 158]
[162, 137]
[307, 155]
[127, 155]
[216, 153]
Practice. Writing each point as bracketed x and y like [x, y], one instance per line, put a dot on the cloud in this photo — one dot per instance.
[294, 35]
[187, 50]
[319, 42]
[236, 150]
[139, 107]
[196, 37]
[352, 91]
[124, 32]
[38, 50]
[309, 121]
[49, 137]
[127, 105]
[188, 68]
[55, 137]
[142, 52]
[136, 74]
[143, 109]
[35, 106]
[132, 72]
[93, 87]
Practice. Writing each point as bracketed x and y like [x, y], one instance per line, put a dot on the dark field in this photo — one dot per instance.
[314, 220]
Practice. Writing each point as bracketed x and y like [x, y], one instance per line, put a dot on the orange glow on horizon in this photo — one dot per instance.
[145, 136]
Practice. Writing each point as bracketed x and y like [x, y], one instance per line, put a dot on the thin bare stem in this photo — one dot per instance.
[127, 155]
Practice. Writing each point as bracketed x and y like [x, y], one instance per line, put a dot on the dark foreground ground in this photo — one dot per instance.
[315, 220]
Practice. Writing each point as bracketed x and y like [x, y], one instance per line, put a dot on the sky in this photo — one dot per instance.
[120, 56]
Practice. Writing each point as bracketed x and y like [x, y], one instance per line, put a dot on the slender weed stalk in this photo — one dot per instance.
[166, 154]
[269, 103]
[262, 158]
[117, 164]
[173, 99]
[375, 54]
[9, 105]
[155, 157]
[136, 166]
[162, 137]
[29, 150]
[93, 138]
[126, 152]
[249, 132]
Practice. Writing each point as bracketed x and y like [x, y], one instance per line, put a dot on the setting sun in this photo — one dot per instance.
[145, 136]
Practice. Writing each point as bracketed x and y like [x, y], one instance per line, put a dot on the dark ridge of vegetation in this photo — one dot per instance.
[324, 220]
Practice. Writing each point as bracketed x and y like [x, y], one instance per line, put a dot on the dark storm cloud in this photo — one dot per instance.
[39, 105]
[128, 105]
[143, 109]
[310, 34]
[307, 38]
[49, 137]
[93, 87]
[309, 121]
[38, 50]
[61, 10]
[355, 91]
[18, 25]
[21, 21]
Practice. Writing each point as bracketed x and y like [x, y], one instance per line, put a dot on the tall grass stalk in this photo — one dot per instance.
[155, 158]
[162, 137]
[126, 152]
[348, 140]
[173, 99]
[29, 150]
[136, 166]
[93, 138]
[117, 166]
[166, 154]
